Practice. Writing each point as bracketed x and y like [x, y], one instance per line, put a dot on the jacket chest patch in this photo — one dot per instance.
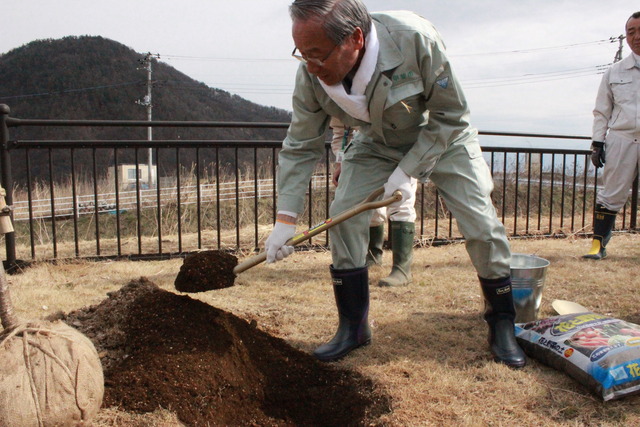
[443, 82]
[402, 76]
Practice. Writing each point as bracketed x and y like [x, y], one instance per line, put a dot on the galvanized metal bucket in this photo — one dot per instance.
[527, 280]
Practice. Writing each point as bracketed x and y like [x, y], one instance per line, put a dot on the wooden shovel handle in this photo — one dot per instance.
[366, 204]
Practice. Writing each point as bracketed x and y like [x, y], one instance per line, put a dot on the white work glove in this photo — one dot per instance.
[398, 181]
[275, 244]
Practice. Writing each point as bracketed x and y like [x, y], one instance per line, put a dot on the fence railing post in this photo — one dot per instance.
[7, 183]
[634, 204]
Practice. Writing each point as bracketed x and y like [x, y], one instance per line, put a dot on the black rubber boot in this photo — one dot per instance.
[351, 290]
[500, 314]
[602, 227]
[402, 248]
[376, 241]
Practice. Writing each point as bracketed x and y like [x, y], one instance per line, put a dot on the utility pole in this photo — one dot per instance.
[145, 64]
[620, 38]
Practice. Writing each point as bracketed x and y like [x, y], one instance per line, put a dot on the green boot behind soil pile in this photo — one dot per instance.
[402, 249]
[376, 241]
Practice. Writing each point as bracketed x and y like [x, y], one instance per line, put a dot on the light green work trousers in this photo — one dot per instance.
[463, 180]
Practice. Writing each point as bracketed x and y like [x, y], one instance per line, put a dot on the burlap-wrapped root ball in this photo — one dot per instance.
[50, 375]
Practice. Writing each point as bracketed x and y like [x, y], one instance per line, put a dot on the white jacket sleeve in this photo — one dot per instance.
[338, 135]
[603, 109]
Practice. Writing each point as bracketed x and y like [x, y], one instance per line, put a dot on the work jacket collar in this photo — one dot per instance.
[629, 62]
[390, 56]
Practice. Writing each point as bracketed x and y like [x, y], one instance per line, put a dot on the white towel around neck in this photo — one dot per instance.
[355, 103]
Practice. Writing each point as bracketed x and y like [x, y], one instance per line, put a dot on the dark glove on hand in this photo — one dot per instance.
[597, 154]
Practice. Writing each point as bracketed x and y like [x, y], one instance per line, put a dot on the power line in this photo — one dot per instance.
[538, 49]
[237, 59]
[515, 83]
[208, 58]
[61, 92]
[536, 77]
[252, 88]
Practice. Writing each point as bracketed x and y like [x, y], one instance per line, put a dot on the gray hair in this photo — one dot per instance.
[341, 17]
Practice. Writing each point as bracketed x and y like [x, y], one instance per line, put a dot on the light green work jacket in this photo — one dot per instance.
[415, 102]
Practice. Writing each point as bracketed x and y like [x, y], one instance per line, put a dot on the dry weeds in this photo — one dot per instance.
[429, 350]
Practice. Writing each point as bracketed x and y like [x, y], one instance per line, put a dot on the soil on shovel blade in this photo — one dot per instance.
[206, 271]
[211, 368]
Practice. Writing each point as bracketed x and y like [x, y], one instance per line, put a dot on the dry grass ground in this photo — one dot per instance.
[429, 351]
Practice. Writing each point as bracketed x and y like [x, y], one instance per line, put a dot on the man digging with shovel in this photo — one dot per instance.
[387, 74]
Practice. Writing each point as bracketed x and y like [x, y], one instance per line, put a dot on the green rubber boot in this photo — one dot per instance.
[602, 227]
[402, 249]
[376, 241]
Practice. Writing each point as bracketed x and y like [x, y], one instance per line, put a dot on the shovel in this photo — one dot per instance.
[204, 271]
[365, 205]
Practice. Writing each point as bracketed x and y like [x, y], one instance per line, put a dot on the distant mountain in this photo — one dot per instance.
[97, 78]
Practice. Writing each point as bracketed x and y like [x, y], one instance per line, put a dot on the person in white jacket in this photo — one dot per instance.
[402, 219]
[616, 132]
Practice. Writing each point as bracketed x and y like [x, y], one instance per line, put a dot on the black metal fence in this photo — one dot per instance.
[144, 199]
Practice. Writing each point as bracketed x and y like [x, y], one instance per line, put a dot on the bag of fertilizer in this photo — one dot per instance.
[600, 352]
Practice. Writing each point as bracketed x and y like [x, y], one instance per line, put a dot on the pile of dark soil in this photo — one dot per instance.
[211, 368]
[206, 271]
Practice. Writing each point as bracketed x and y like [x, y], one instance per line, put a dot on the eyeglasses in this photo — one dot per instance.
[314, 61]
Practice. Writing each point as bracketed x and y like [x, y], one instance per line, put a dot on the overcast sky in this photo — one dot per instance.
[526, 65]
